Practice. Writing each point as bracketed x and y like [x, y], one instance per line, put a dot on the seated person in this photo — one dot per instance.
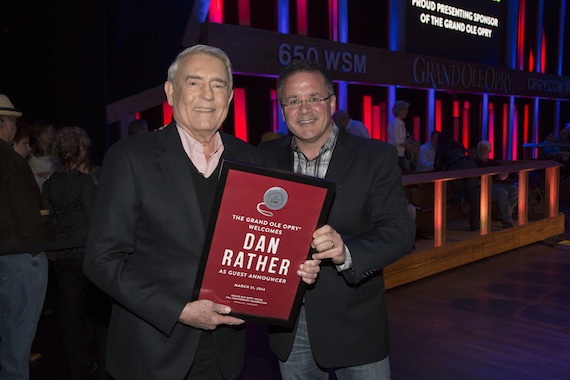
[503, 191]
[554, 152]
[427, 153]
[355, 127]
[450, 155]
[557, 153]
[564, 138]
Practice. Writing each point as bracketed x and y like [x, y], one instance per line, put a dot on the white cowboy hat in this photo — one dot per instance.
[7, 108]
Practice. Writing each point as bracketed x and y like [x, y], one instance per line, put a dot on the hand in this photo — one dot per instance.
[309, 270]
[329, 245]
[207, 315]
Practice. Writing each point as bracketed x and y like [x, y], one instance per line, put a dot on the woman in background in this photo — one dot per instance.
[68, 194]
[41, 161]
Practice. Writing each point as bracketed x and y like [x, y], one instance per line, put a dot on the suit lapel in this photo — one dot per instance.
[343, 156]
[285, 155]
[176, 167]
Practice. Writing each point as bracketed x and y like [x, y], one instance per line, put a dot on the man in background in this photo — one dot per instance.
[138, 126]
[24, 272]
[427, 153]
[355, 127]
[397, 133]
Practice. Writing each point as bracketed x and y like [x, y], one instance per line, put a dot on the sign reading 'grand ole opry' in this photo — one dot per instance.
[261, 52]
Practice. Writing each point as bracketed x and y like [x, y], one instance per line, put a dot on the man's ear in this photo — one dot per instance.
[168, 90]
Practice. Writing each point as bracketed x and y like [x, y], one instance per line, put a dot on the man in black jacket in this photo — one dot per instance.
[148, 229]
[343, 323]
[23, 276]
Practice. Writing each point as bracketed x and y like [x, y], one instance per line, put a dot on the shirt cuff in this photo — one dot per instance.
[347, 261]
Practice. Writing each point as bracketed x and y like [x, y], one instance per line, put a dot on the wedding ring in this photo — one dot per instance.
[332, 244]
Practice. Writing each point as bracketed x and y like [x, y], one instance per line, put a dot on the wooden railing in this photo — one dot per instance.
[444, 255]
[442, 178]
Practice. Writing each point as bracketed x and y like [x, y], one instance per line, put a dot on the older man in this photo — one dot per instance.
[23, 276]
[148, 229]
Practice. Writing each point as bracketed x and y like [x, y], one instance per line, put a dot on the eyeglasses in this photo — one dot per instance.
[296, 103]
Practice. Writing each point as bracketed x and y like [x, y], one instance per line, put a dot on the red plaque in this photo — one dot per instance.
[260, 233]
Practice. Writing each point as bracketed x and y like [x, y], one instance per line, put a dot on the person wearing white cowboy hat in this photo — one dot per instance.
[23, 276]
[8, 115]
[7, 108]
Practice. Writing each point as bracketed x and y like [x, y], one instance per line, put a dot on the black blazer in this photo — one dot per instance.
[346, 313]
[144, 249]
[20, 202]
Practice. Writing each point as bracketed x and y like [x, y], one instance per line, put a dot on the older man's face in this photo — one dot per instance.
[200, 95]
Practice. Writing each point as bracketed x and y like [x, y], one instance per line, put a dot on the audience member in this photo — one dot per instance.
[397, 134]
[503, 190]
[270, 136]
[138, 126]
[342, 323]
[24, 275]
[555, 152]
[563, 138]
[68, 194]
[147, 233]
[427, 153]
[450, 155]
[355, 127]
[41, 161]
[21, 144]
[88, 166]
[411, 155]
[552, 150]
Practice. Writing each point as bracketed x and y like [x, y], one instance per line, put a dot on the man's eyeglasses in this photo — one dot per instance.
[296, 103]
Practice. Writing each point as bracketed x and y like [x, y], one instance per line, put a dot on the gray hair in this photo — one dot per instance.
[484, 145]
[398, 106]
[202, 49]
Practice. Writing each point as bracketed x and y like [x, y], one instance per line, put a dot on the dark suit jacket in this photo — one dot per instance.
[346, 313]
[144, 248]
[20, 202]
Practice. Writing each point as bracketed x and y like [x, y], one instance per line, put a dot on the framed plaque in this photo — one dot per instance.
[260, 232]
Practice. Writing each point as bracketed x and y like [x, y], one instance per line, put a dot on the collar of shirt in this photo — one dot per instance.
[318, 166]
[195, 151]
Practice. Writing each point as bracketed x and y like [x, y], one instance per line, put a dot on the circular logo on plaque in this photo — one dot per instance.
[275, 198]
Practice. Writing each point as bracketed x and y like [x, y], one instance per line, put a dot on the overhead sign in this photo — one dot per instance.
[264, 53]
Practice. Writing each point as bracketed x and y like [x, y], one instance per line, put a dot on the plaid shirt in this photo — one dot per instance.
[318, 166]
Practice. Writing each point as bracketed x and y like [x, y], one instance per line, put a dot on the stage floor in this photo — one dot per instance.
[504, 317]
